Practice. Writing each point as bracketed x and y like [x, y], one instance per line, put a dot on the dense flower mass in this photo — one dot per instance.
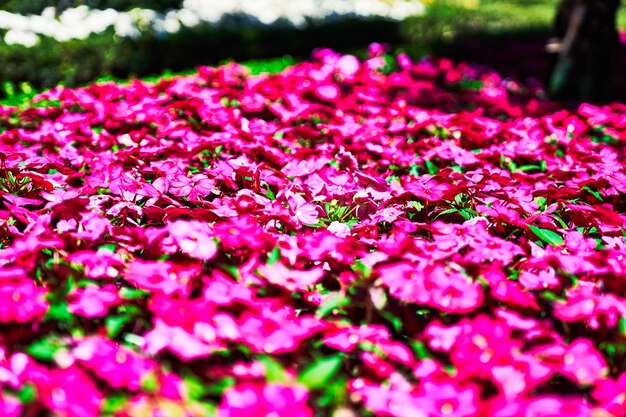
[380, 237]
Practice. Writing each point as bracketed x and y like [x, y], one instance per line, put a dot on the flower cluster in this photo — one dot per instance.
[80, 22]
[379, 237]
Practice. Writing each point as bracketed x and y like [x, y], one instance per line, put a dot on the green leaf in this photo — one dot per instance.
[218, 387]
[270, 194]
[596, 194]
[44, 349]
[395, 321]
[274, 256]
[560, 221]
[416, 205]
[132, 293]
[232, 270]
[622, 326]
[133, 339]
[114, 403]
[150, 382]
[337, 300]
[448, 211]
[109, 246]
[432, 168]
[321, 372]
[27, 394]
[59, 311]
[114, 325]
[195, 387]
[335, 393]
[550, 296]
[9, 88]
[420, 349]
[274, 371]
[363, 269]
[548, 236]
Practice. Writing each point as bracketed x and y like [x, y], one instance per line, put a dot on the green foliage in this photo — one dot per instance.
[547, 236]
[274, 371]
[320, 372]
[105, 56]
[37, 6]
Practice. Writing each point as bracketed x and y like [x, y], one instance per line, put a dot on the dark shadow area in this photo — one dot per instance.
[206, 45]
[78, 62]
[519, 55]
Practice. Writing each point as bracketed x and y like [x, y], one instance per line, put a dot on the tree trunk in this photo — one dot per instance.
[584, 50]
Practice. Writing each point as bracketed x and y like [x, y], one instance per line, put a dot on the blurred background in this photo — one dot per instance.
[45, 42]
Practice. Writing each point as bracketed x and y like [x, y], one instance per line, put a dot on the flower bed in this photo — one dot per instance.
[343, 238]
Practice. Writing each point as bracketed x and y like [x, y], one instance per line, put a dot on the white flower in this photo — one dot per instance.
[80, 22]
[17, 37]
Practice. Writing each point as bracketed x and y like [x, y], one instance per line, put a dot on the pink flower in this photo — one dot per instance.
[183, 344]
[252, 102]
[93, 301]
[221, 291]
[160, 277]
[22, 301]
[450, 399]
[583, 363]
[434, 286]
[347, 338]
[100, 264]
[69, 392]
[428, 189]
[291, 280]
[244, 231]
[584, 304]
[539, 279]
[118, 366]
[304, 212]
[611, 394]
[10, 406]
[192, 188]
[275, 329]
[194, 238]
[256, 399]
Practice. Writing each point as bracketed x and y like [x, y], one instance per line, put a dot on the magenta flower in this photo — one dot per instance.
[274, 329]
[243, 231]
[583, 363]
[183, 344]
[434, 286]
[69, 392]
[10, 406]
[611, 394]
[120, 367]
[257, 399]
[215, 243]
[93, 301]
[100, 264]
[291, 280]
[192, 187]
[161, 277]
[194, 239]
[22, 301]
[304, 212]
[538, 279]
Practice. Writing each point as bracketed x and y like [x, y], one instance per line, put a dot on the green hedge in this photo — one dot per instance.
[81, 61]
[37, 6]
